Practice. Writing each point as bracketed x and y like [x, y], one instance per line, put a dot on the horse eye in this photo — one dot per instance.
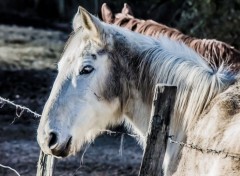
[86, 70]
[94, 56]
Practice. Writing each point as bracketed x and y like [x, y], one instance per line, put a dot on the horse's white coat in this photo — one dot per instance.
[75, 109]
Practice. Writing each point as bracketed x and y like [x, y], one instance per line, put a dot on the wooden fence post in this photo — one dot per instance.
[163, 104]
[46, 165]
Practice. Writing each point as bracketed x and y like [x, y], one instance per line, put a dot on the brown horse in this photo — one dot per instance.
[215, 52]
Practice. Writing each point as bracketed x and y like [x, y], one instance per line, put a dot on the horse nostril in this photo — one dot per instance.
[53, 140]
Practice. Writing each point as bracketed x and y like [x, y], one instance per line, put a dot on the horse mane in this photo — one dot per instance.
[215, 52]
[171, 62]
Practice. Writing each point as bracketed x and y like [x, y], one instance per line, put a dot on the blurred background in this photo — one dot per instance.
[32, 37]
[218, 19]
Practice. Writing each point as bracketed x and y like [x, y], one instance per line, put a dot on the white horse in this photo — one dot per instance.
[107, 75]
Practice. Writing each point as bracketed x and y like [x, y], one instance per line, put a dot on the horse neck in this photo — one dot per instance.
[170, 62]
[138, 114]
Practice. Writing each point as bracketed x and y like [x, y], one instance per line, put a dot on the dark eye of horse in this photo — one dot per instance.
[86, 70]
[94, 56]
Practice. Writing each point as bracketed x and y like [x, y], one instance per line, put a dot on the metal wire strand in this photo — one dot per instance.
[19, 109]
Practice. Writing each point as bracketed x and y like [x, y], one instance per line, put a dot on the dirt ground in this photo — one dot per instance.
[28, 59]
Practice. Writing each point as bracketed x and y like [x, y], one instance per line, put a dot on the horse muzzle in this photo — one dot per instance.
[60, 149]
[55, 145]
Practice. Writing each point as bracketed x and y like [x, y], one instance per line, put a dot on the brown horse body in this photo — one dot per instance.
[214, 52]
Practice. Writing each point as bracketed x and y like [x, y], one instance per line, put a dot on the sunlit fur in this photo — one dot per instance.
[127, 68]
[217, 128]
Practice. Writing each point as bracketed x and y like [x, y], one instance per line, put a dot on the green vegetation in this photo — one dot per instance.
[218, 19]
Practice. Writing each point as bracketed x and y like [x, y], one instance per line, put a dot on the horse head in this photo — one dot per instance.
[86, 96]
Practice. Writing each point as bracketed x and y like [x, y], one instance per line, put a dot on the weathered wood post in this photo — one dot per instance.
[46, 165]
[163, 104]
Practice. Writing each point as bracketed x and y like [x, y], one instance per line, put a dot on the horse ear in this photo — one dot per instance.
[127, 10]
[107, 14]
[87, 21]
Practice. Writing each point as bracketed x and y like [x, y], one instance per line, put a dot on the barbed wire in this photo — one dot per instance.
[225, 154]
[233, 156]
[19, 109]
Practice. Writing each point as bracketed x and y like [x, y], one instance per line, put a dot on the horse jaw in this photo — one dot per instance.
[137, 116]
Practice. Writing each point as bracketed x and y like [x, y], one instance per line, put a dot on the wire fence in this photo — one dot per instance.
[20, 109]
[192, 146]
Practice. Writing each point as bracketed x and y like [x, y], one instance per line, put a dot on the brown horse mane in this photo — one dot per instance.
[213, 51]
